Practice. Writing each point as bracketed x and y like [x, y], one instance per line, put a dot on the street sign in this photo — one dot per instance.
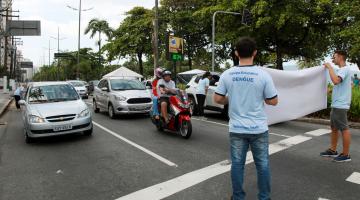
[175, 48]
[62, 55]
[23, 28]
[176, 57]
[26, 64]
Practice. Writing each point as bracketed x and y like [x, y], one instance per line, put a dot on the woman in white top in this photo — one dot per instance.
[201, 91]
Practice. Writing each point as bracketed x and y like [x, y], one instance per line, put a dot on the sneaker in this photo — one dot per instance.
[329, 153]
[342, 158]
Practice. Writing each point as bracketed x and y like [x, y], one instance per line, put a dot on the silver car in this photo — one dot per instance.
[80, 88]
[54, 108]
[121, 96]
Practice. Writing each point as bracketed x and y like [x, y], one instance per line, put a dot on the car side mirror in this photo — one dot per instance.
[105, 89]
[22, 102]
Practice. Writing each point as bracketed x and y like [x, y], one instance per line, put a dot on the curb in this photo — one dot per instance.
[355, 125]
[3, 109]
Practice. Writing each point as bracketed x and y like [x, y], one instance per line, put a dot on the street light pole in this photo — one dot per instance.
[213, 35]
[49, 53]
[156, 35]
[58, 50]
[78, 55]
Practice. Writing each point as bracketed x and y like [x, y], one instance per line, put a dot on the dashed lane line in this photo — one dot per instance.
[160, 158]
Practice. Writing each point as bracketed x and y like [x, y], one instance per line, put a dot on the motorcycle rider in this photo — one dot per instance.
[154, 83]
[165, 87]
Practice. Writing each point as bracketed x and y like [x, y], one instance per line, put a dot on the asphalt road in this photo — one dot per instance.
[127, 158]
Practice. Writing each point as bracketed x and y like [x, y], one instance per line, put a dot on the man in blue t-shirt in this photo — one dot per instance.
[340, 104]
[246, 88]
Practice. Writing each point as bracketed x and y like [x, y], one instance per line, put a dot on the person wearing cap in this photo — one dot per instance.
[165, 87]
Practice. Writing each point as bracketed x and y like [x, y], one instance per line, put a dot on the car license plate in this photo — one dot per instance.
[63, 128]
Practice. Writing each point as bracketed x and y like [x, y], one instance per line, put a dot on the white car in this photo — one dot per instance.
[121, 96]
[80, 88]
[54, 108]
[209, 102]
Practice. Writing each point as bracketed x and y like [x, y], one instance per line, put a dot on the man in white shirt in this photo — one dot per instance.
[165, 87]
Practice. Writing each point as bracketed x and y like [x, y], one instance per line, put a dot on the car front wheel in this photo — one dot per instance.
[111, 112]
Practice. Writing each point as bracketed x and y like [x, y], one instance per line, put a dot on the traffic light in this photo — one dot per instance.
[247, 17]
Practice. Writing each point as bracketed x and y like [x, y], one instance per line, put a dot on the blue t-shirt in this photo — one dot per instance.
[203, 83]
[247, 87]
[341, 95]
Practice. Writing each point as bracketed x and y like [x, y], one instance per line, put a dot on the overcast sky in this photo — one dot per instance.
[54, 14]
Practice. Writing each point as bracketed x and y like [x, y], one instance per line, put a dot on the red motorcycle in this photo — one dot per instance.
[179, 115]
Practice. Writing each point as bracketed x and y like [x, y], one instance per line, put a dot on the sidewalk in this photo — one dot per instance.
[5, 100]
[355, 125]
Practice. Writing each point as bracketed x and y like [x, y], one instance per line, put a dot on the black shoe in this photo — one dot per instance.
[329, 153]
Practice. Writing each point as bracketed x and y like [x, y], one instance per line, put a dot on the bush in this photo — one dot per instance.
[354, 112]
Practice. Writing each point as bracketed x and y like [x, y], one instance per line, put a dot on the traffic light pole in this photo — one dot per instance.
[213, 35]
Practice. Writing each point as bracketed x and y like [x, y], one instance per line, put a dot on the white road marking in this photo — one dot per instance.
[323, 199]
[211, 122]
[280, 135]
[354, 178]
[170, 187]
[137, 146]
[217, 123]
[318, 132]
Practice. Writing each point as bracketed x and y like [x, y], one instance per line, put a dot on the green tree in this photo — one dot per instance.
[99, 27]
[133, 37]
[346, 29]
[285, 28]
[182, 22]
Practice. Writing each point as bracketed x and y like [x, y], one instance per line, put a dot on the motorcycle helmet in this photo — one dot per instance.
[166, 72]
[158, 72]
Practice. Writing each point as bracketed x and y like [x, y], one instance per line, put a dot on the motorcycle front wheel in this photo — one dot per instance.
[185, 129]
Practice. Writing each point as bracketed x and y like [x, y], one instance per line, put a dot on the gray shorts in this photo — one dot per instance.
[338, 119]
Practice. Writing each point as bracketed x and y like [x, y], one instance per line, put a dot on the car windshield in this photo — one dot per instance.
[95, 83]
[52, 93]
[123, 84]
[77, 83]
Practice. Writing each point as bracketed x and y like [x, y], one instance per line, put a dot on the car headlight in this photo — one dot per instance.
[119, 98]
[36, 119]
[84, 113]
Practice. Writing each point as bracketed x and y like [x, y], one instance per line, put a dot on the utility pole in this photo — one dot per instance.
[156, 35]
[78, 55]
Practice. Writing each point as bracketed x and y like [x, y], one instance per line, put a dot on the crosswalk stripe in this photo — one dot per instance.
[170, 187]
[354, 178]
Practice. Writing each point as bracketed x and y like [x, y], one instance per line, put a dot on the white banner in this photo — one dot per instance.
[300, 93]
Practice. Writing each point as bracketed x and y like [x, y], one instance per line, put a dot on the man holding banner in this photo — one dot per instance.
[341, 99]
[247, 88]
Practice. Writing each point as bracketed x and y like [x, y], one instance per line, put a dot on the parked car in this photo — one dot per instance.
[54, 108]
[121, 96]
[92, 85]
[209, 102]
[80, 88]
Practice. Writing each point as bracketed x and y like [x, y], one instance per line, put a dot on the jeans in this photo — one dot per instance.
[201, 101]
[17, 99]
[259, 145]
[155, 107]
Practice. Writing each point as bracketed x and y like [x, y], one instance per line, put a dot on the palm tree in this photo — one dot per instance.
[99, 26]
